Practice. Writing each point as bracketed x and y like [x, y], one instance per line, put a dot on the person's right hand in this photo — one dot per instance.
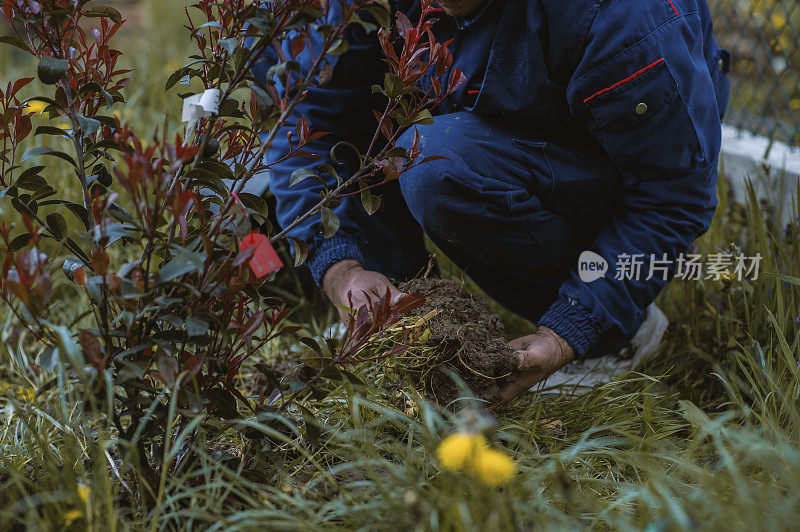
[348, 284]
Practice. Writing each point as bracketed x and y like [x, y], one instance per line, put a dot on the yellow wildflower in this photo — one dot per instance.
[26, 393]
[458, 451]
[15, 391]
[83, 493]
[493, 467]
[470, 453]
[727, 277]
[72, 516]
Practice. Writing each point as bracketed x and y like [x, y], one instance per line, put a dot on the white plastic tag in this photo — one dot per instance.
[199, 105]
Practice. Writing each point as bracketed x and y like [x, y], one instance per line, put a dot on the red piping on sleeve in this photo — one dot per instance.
[624, 81]
[473, 91]
[674, 8]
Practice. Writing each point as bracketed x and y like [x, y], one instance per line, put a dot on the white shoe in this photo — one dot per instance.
[647, 341]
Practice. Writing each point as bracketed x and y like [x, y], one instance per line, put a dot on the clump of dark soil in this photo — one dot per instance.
[465, 337]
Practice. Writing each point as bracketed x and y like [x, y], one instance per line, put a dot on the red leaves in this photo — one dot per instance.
[194, 364]
[252, 325]
[100, 261]
[80, 276]
[421, 55]
[26, 275]
[407, 303]
[14, 89]
[371, 323]
[208, 318]
[298, 44]
[91, 346]
[167, 367]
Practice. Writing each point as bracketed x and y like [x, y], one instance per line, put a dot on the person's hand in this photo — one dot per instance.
[348, 284]
[539, 355]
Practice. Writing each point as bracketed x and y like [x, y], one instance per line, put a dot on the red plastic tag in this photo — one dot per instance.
[265, 260]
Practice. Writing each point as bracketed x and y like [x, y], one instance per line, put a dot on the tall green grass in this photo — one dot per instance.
[706, 437]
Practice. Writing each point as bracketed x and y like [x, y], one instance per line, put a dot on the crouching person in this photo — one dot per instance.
[584, 128]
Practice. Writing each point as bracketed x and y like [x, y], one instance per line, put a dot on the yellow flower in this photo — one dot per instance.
[35, 106]
[26, 393]
[72, 516]
[493, 467]
[21, 393]
[727, 277]
[458, 451]
[470, 453]
[83, 493]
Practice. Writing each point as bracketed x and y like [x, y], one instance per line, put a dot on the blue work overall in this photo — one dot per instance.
[586, 125]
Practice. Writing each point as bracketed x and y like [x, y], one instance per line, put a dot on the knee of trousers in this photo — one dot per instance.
[425, 189]
[441, 192]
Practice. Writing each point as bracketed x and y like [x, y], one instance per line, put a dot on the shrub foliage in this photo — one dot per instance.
[163, 243]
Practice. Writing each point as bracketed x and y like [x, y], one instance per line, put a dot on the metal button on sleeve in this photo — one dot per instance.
[641, 108]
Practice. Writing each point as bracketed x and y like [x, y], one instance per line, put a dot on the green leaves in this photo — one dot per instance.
[263, 20]
[370, 201]
[300, 251]
[43, 150]
[51, 130]
[104, 12]
[14, 41]
[229, 45]
[57, 225]
[196, 326]
[89, 126]
[339, 47]
[300, 175]
[267, 113]
[51, 70]
[393, 86]
[381, 15]
[30, 179]
[330, 222]
[182, 263]
[175, 77]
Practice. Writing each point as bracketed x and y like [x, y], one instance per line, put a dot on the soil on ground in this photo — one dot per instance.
[466, 337]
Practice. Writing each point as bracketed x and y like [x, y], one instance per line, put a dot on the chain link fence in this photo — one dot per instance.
[764, 39]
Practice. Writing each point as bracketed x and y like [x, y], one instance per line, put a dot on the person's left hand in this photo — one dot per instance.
[539, 355]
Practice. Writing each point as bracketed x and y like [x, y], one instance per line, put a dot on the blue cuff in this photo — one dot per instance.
[328, 252]
[573, 322]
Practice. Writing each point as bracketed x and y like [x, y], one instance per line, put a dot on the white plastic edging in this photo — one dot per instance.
[775, 177]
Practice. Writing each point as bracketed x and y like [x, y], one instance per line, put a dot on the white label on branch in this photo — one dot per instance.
[199, 105]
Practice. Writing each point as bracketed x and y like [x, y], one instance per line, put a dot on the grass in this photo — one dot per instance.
[706, 437]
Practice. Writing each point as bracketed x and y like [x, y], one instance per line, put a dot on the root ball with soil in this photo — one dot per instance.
[461, 334]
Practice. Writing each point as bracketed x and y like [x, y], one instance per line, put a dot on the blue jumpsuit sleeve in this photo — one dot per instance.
[644, 90]
[342, 107]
